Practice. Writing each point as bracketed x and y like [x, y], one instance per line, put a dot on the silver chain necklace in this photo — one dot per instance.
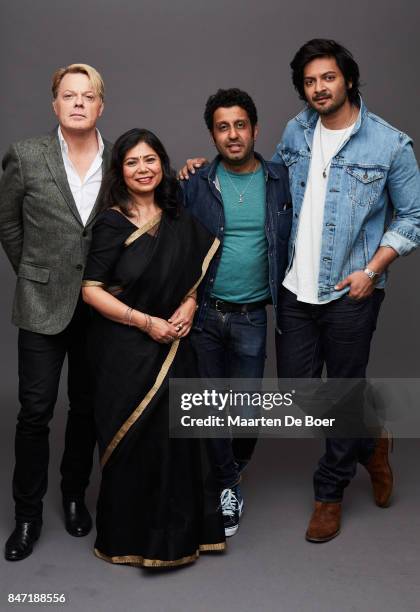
[241, 194]
[342, 139]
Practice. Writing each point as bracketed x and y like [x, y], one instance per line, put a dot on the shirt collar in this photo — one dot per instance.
[64, 146]
[209, 171]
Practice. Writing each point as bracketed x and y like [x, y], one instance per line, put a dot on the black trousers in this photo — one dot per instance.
[41, 359]
[338, 335]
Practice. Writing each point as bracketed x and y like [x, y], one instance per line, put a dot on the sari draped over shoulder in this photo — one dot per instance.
[154, 508]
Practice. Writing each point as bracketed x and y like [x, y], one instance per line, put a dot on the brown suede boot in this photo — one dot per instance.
[325, 522]
[380, 471]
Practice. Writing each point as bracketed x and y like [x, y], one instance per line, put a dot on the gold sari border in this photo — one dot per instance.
[143, 229]
[220, 546]
[143, 404]
[206, 262]
[92, 283]
[162, 372]
[143, 562]
[140, 561]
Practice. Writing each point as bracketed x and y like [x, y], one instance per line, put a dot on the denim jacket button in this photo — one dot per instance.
[302, 183]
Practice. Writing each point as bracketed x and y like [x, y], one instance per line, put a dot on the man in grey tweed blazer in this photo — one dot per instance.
[48, 201]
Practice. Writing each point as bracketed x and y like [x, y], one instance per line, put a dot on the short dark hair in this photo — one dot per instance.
[322, 47]
[114, 191]
[227, 98]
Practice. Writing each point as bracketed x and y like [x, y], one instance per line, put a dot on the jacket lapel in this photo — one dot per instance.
[106, 162]
[55, 164]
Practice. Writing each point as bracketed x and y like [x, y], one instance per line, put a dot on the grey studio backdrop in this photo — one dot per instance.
[160, 60]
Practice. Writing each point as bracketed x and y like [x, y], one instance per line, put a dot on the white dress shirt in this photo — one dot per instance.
[84, 192]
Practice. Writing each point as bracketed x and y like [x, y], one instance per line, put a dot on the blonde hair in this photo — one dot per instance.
[92, 74]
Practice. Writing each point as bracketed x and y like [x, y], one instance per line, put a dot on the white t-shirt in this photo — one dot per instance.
[302, 278]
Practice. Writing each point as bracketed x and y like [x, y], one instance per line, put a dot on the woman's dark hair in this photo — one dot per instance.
[114, 191]
[227, 98]
[321, 47]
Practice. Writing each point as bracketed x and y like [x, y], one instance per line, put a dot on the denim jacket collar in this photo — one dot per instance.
[209, 172]
[308, 117]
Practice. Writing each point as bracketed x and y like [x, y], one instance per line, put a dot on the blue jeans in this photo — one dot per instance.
[338, 335]
[231, 345]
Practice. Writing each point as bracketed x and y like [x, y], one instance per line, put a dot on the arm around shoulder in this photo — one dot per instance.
[187, 190]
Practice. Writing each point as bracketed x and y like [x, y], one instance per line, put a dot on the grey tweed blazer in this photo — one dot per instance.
[42, 233]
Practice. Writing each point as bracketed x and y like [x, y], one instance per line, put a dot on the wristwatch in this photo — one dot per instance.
[372, 275]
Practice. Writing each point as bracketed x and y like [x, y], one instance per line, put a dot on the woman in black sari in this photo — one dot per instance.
[147, 257]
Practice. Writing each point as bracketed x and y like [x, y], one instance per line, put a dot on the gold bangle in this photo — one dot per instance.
[190, 295]
[148, 325]
[127, 316]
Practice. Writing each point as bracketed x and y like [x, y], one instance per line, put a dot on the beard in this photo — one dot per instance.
[332, 108]
[239, 161]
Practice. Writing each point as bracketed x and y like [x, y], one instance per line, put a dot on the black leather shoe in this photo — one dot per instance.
[21, 542]
[77, 518]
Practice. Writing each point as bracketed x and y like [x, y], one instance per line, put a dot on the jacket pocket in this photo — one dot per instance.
[364, 184]
[33, 272]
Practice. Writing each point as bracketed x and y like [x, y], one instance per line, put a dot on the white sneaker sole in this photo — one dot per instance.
[230, 531]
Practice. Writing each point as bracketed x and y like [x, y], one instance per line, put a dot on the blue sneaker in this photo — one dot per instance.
[232, 505]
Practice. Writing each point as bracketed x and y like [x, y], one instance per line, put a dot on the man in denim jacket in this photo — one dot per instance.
[355, 189]
[244, 201]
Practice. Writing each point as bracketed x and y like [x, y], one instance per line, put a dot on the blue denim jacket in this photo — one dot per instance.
[202, 197]
[372, 200]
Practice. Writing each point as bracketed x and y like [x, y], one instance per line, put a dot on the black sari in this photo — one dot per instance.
[153, 508]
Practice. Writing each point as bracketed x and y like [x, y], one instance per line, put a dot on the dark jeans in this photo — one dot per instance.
[337, 334]
[41, 359]
[231, 345]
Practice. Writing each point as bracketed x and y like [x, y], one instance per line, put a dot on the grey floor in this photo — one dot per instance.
[373, 565]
